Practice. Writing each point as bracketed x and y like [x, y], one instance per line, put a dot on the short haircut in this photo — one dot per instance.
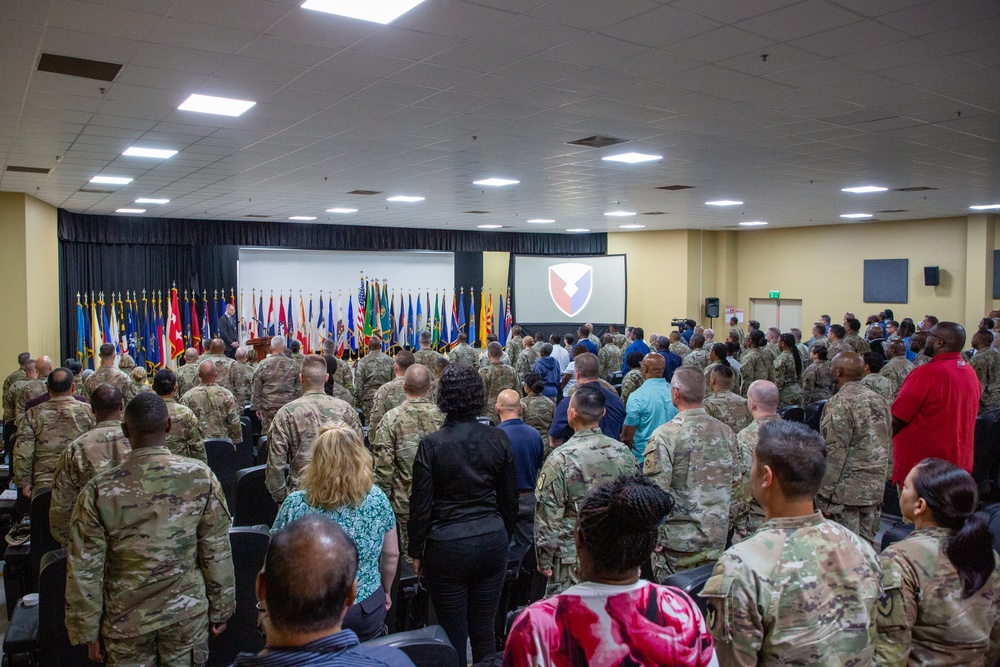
[310, 566]
[764, 393]
[425, 337]
[404, 359]
[586, 365]
[463, 337]
[724, 374]
[874, 361]
[461, 392]
[417, 380]
[584, 331]
[106, 350]
[441, 364]
[494, 350]
[74, 366]
[588, 400]
[278, 341]
[23, 358]
[637, 333]
[634, 359]
[546, 349]
[294, 346]
[569, 339]
[554, 339]
[146, 414]
[60, 380]
[838, 331]
[164, 382]
[314, 370]
[796, 454]
[697, 341]
[105, 399]
[797, 333]
[854, 323]
[689, 381]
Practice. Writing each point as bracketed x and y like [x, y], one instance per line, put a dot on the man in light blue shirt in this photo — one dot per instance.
[648, 407]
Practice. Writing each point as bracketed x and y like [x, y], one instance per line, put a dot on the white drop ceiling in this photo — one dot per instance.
[899, 93]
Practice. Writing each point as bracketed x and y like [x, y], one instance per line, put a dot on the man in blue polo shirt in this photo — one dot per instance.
[586, 367]
[649, 406]
[637, 345]
[526, 445]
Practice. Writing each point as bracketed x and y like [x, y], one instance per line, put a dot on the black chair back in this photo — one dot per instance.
[42, 541]
[222, 460]
[9, 433]
[895, 534]
[814, 413]
[249, 545]
[55, 648]
[691, 582]
[793, 413]
[426, 647]
[890, 503]
[253, 505]
[986, 455]
[260, 451]
[991, 515]
[244, 450]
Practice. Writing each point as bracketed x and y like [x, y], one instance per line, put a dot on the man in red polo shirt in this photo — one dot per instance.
[935, 412]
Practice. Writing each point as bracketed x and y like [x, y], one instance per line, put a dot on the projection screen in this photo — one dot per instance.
[566, 289]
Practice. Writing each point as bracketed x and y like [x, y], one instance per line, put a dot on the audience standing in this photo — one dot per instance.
[537, 410]
[185, 437]
[986, 363]
[275, 383]
[722, 403]
[755, 364]
[787, 371]
[526, 445]
[650, 407]
[214, 406]
[586, 368]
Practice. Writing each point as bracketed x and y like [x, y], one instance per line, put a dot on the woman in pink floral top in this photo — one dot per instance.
[613, 618]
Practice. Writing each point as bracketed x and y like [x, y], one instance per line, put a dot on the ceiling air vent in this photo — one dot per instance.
[95, 191]
[28, 170]
[919, 188]
[365, 192]
[655, 213]
[598, 141]
[88, 69]
[893, 210]
[477, 212]
[675, 187]
[256, 215]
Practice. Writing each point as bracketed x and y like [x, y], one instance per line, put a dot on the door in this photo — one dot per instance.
[782, 313]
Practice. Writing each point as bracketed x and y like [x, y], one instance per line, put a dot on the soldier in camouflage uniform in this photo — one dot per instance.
[185, 437]
[102, 447]
[46, 430]
[723, 404]
[241, 378]
[343, 375]
[716, 354]
[609, 358]
[391, 394]
[497, 377]
[332, 387]
[771, 349]
[691, 458]
[735, 332]
[586, 460]
[30, 371]
[295, 352]
[986, 363]
[425, 355]
[745, 513]
[788, 371]
[187, 375]
[395, 441]
[817, 379]
[463, 353]
[837, 344]
[275, 383]
[873, 379]
[857, 427]
[33, 388]
[537, 411]
[373, 371]
[586, 331]
[857, 344]
[149, 566]
[618, 338]
[634, 378]
[224, 366]
[107, 373]
[918, 340]
[484, 357]
[297, 424]
[139, 379]
[515, 343]
[802, 590]
[802, 348]
[755, 364]
[677, 346]
[8, 403]
[898, 366]
[526, 360]
[214, 406]
[698, 356]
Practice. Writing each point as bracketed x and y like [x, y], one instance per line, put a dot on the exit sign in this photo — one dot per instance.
[774, 295]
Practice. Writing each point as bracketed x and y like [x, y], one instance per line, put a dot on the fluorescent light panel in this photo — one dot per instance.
[405, 198]
[376, 11]
[137, 151]
[620, 214]
[578, 229]
[302, 217]
[222, 106]
[341, 210]
[857, 216]
[632, 158]
[753, 223]
[723, 202]
[862, 189]
[489, 226]
[130, 210]
[496, 182]
[540, 221]
[985, 207]
[111, 180]
[631, 226]
[149, 200]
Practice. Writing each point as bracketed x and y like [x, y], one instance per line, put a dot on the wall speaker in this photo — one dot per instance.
[932, 276]
[712, 307]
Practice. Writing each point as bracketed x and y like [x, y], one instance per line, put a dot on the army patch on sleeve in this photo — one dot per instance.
[890, 609]
[651, 463]
[541, 481]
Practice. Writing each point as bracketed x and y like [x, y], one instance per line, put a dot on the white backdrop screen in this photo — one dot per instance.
[554, 289]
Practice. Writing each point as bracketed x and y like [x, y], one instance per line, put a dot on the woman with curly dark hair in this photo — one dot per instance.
[463, 509]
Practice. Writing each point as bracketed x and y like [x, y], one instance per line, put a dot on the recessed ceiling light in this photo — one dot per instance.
[540, 221]
[985, 207]
[620, 214]
[148, 200]
[111, 180]
[723, 202]
[136, 151]
[130, 210]
[753, 223]
[405, 198]
[341, 210]
[496, 182]
[222, 106]
[578, 229]
[376, 11]
[302, 217]
[864, 188]
[857, 216]
[632, 158]
[489, 226]
[631, 226]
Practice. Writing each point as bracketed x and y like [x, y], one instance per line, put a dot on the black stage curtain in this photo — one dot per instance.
[114, 253]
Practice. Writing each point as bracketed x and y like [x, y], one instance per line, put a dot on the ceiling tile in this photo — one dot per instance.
[803, 18]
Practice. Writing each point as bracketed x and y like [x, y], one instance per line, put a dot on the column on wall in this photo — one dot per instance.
[980, 240]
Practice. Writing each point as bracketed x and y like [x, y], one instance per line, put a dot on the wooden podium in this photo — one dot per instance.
[262, 346]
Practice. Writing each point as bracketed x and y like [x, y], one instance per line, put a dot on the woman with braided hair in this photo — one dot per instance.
[613, 618]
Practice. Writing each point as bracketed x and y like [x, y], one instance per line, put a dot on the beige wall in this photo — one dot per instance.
[13, 286]
[657, 271]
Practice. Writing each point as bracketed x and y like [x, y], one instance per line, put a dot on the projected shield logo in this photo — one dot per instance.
[571, 286]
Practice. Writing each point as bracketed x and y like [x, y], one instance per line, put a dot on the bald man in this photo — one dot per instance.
[35, 389]
[223, 364]
[187, 375]
[935, 411]
[214, 406]
[745, 513]
[526, 444]
[648, 407]
[856, 425]
[898, 366]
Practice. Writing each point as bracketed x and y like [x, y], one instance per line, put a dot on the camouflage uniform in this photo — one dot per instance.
[609, 359]
[592, 338]
[514, 347]
[698, 358]
[24, 391]
[896, 369]
[632, 381]
[373, 371]
[857, 343]
[463, 353]
[691, 457]
[275, 384]
[881, 385]
[771, 350]
[586, 460]
[755, 364]
[149, 562]
[341, 392]
[986, 363]
[343, 377]
[921, 359]
[104, 446]
[745, 515]
[241, 380]
[526, 362]
[187, 378]
[803, 355]
[680, 349]
[8, 399]
[113, 376]
[817, 382]
[224, 367]
[44, 432]
[388, 396]
[185, 437]
[395, 446]
[293, 430]
[428, 358]
[619, 340]
[537, 412]
[729, 409]
[787, 379]
[737, 335]
[837, 346]
[857, 427]
[298, 358]
[216, 410]
[484, 360]
[923, 617]
[737, 378]
[802, 591]
[604, 383]
[496, 378]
